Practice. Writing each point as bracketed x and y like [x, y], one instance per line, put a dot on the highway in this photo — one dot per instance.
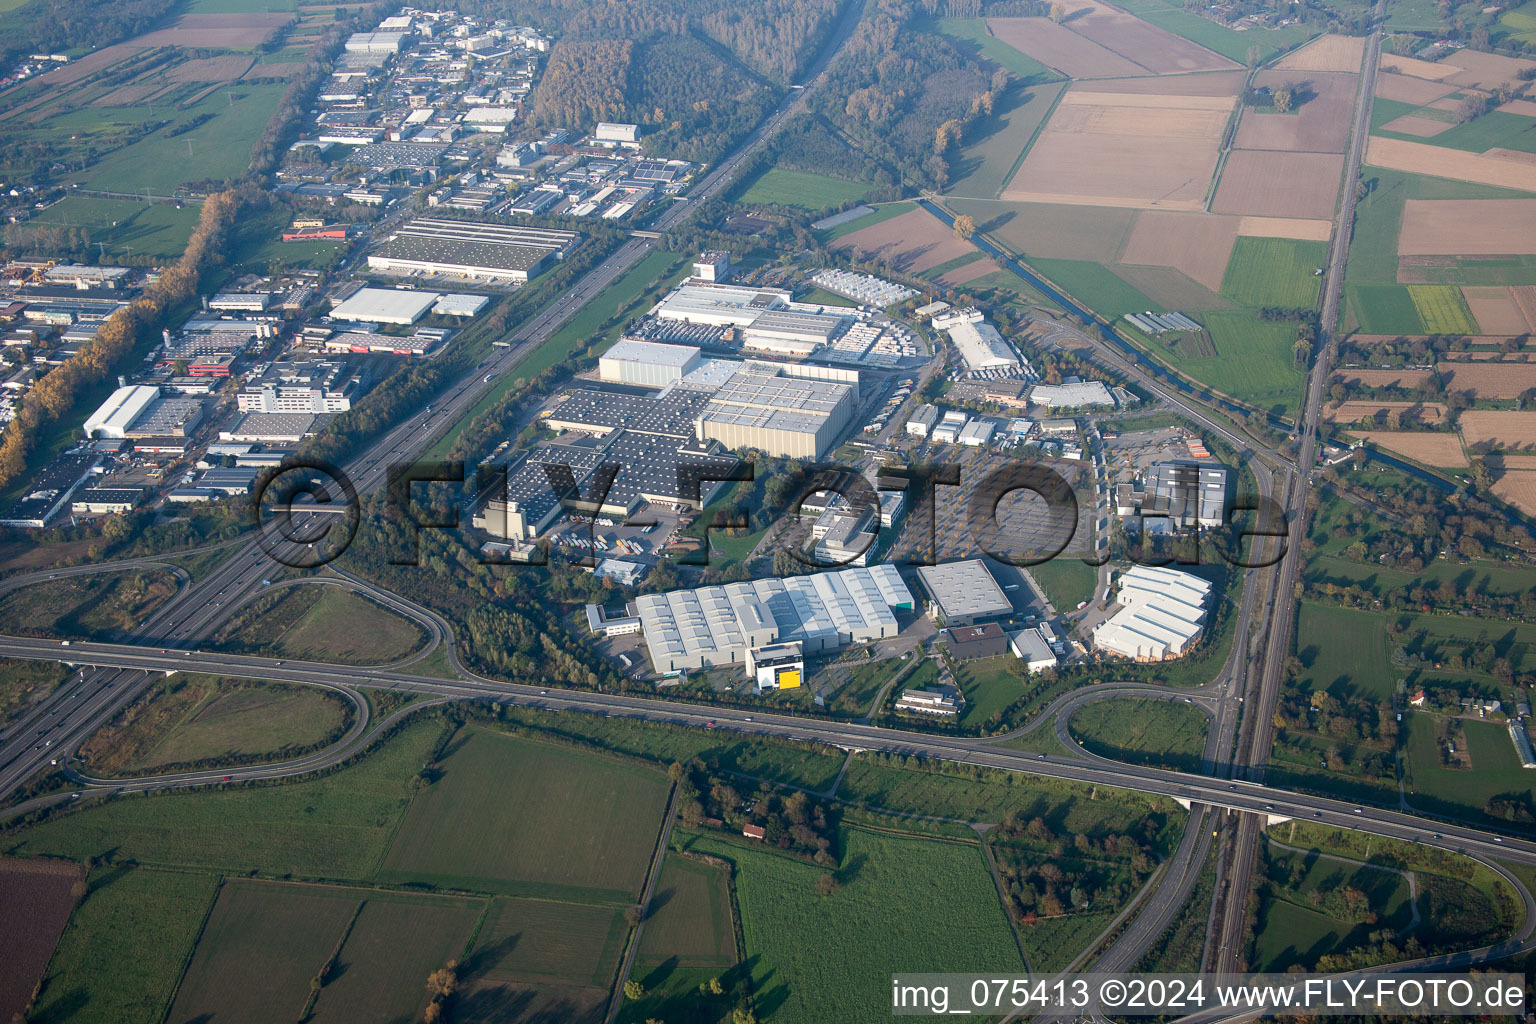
[195, 612]
[1226, 943]
[1238, 795]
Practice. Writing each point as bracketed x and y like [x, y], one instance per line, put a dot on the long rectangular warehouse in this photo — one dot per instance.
[471, 250]
[694, 629]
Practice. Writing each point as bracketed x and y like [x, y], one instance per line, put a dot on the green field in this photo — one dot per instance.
[1344, 651]
[1066, 581]
[334, 826]
[100, 606]
[1496, 128]
[1377, 304]
[1143, 731]
[219, 149]
[1253, 361]
[532, 819]
[776, 186]
[1496, 770]
[323, 623]
[184, 719]
[690, 918]
[974, 31]
[261, 945]
[902, 905]
[1231, 44]
[1097, 287]
[989, 685]
[396, 941]
[555, 961]
[158, 229]
[1442, 308]
[1415, 16]
[1518, 25]
[125, 948]
[1386, 309]
[1274, 272]
[1066, 806]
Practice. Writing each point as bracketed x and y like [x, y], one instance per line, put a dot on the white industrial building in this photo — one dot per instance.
[1033, 648]
[118, 412]
[962, 593]
[789, 332]
[922, 420]
[1161, 614]
[713, 266]
[793, 411]
[375, 42]
[977, 433]
[1078, 395]
[610, 132]
[686, 630]
[863, 288]
[650, 363]
[978, 342]
[385, 306]
[720, 305]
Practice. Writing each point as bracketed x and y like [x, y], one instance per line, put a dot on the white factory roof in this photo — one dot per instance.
[981, 346]
[965, 589]
[119, 411]
[632, 350]
[1071, 396]
[717, 621]
[720, 304]
[385, 305]
[1162, 611]
[459, 304]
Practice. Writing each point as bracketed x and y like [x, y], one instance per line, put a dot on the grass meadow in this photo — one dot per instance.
[1274, 272]
[1142, 731]
[530, 818]
[777, 186]
[902, 905]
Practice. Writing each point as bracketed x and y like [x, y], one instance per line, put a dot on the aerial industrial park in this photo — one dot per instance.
[690, 513]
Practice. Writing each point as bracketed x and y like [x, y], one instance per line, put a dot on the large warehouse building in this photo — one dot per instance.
[686, 630]
[118, 412]
[645, 362]
[963, 593]
[385, 306]
[471, 250]
[1161, 614]
[978, 342]
[778, 410]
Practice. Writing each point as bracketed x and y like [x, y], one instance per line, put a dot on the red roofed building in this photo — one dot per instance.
[754, 832]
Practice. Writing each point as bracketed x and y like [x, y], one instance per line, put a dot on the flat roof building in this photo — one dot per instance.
[1032, 648]
[1161, 614]
[978, 342]
[115, 415]
[269, 426]
[471, 250]
[774, 409]
[922, 420]
[967, 643]
[630, 361]
[930, 702]
[401, 306]
[1072, 396]
[1179, 493]
[686, 630]
[962, 593]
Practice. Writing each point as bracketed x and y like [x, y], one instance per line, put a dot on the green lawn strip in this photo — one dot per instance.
[777, 186]
[902, 904]
[125, 947]
[1274, 272]
[1344, 651]
[1386, 309]
[1143, 731]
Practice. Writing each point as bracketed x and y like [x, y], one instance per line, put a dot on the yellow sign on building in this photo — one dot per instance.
[789, 679]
